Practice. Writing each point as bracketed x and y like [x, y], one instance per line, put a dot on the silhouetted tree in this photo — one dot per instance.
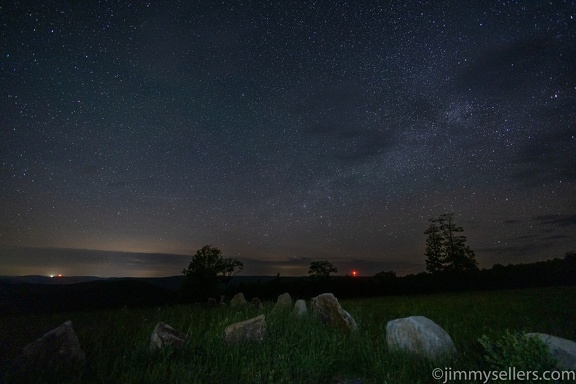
[205, 272]
[321, 269]
[446, 248]
[435, 256]
[230, 268]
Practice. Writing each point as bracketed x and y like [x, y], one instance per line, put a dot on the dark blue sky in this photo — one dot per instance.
[283, 132]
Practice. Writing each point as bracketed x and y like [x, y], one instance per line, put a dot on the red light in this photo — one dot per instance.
[59, 275]
[354, 273]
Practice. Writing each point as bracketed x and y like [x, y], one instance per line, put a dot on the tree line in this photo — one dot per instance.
[451, 265]
[554, 272]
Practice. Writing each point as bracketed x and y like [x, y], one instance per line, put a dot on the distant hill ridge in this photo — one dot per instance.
[171, 283]
[40, 279]
[91, 295]
[38, 294]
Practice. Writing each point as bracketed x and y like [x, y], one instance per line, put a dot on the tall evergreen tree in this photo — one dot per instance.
[434, 252]
[446, 248]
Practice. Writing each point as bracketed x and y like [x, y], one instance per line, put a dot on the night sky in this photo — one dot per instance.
[134, 133]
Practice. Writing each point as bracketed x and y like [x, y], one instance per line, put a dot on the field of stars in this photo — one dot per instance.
[134, 133]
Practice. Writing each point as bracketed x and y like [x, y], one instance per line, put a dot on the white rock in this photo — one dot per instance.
[419, 335]
[563, 350]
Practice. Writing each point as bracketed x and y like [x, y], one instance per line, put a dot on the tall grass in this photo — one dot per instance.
[116, 342]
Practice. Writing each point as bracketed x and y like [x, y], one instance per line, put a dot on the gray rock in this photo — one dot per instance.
[329, 311]
[249, 330]
[61, 340]
[238, 301]
[56, 354]
[164, 335]
[563, 350]
[256, 303]
[419, 335]
[284, 303]
[211, 302]
[300, 308]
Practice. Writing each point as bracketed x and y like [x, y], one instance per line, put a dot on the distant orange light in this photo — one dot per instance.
[59, 275]
[354, 273]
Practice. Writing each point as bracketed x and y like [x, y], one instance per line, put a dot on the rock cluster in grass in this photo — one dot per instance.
[58, 353]
[325, 307]
[164, 335]
[419, 335]
[563, 350]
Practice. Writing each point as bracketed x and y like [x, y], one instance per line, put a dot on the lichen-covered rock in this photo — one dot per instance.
[300, 308]
[238, 301]
[329, 311]
[283, 303]
[563, 350]
[419, 335]
[164, 335]
[249, 330]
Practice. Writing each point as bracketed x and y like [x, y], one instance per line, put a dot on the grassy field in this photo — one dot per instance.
[296, 350]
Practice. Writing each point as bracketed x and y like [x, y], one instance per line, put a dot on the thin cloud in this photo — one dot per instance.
[556, 220]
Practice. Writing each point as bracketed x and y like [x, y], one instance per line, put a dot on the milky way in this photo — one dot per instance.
[283, 133]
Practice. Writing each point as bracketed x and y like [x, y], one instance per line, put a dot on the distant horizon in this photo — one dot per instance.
[101, 263]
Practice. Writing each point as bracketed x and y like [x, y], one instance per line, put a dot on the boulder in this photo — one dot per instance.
[164, 335]
[283, 303]
[238, 301]
[328, 309]
[563, 350]
[249, 330]
[300, 308]
[256, 303]
[56, 354]
[419, 335]
[211, 302]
